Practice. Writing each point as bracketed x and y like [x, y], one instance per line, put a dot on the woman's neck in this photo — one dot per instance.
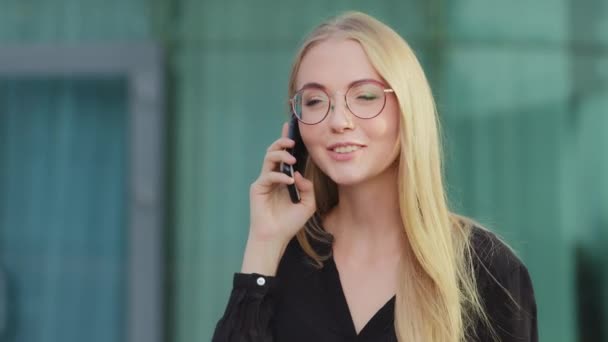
[366, 223]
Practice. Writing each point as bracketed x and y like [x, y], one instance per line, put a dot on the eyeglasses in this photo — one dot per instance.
[365, 99]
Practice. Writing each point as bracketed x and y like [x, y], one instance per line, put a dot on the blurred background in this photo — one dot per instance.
[130, 131]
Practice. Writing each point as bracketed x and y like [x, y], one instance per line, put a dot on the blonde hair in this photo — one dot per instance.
[437, 298]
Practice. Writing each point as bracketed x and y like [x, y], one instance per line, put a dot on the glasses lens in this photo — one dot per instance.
[311, 105]
[366, 100]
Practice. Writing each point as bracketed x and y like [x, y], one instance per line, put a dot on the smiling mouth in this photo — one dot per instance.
[346, 149]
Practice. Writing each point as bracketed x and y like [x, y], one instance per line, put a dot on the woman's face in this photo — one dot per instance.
[348, 149]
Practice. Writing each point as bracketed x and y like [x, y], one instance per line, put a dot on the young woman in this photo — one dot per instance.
[371, 252]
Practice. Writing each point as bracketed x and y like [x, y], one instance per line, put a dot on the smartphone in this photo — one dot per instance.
[300, 153]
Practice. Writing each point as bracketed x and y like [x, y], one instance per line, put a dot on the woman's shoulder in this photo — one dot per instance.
[493, 259]
[502, 278]
[505, 288]
[491, 252]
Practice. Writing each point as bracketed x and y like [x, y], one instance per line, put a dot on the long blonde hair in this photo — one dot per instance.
[437, 298]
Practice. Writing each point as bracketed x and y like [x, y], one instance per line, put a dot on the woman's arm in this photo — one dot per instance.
[250, 310]
[275, 220]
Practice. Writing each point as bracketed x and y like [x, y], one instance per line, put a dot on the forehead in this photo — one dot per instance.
[335, 63]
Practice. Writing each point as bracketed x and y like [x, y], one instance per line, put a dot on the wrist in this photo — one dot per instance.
[262, 256]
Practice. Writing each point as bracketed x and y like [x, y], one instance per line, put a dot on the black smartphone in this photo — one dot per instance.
[300, 153]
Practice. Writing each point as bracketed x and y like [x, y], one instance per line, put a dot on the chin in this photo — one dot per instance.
[342, 179]
[346, 181]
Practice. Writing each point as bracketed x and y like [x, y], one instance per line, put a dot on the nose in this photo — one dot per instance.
[340, 118]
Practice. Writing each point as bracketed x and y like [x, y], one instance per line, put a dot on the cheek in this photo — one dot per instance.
[310, 136]
[305, 134]
[388, 127]
[389, 132]
[314, 146]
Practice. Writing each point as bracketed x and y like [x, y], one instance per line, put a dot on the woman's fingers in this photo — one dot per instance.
[280, 144]
[269, 179]
[273, 158]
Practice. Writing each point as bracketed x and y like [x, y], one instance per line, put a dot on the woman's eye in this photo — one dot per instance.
[367, 97]
[312, 102]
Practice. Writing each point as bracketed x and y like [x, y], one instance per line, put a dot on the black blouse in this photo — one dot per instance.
[305, 304]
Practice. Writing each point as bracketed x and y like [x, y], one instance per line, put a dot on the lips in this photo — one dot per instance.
[344, 151]
[345, 147]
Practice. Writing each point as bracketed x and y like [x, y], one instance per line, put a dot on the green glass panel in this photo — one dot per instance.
[62, 209]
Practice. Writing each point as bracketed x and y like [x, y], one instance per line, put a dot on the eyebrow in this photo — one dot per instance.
[320, 86]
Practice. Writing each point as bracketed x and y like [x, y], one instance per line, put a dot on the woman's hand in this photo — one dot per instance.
[273, 215]
[274, 218]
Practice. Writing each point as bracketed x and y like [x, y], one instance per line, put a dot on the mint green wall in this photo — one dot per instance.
[71, 21]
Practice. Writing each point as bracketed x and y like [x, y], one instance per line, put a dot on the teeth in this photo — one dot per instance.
[346, 149]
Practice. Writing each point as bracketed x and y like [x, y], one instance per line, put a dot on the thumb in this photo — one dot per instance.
[303, 184]
[306, 188]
